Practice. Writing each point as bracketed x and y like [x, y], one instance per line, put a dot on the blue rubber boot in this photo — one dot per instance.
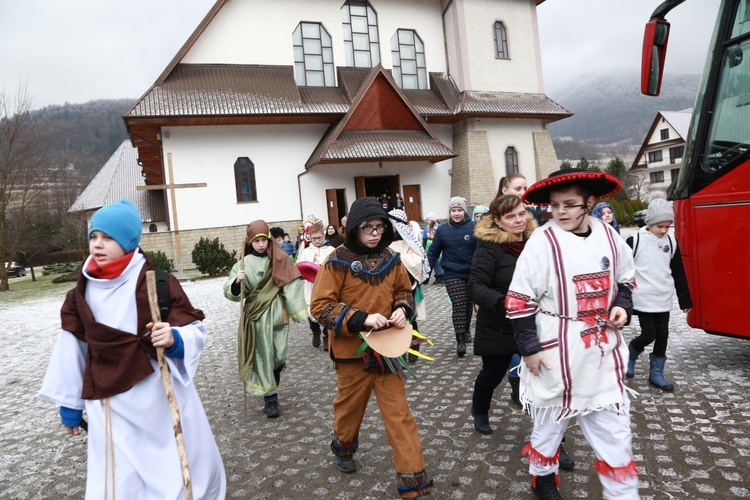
[656, 377]
[630, 373]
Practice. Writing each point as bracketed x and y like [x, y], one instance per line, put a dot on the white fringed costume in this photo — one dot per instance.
[570, 283]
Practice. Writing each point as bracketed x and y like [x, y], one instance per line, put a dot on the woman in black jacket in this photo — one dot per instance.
[501, 235]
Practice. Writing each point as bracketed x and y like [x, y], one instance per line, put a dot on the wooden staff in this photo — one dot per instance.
[242, 315]
[166, 380]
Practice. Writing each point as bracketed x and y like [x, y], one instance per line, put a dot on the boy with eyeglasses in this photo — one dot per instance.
[361, 287]
[569, 298]
[316, 253]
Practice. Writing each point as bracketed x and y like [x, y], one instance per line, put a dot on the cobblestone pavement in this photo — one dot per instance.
[692, 443]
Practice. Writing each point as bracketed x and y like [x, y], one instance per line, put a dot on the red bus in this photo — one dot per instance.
[712, 191]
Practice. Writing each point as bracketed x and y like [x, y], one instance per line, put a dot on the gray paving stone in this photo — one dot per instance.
[692, 443]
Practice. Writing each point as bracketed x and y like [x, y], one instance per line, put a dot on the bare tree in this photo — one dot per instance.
[637, 186]
[25, 170]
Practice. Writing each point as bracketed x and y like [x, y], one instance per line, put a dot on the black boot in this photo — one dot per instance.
[565, 462]
[515, 397]
[468, 338]
[461, 345]
[482, 423]
[315, 328]
[271, 408]
[545, 487]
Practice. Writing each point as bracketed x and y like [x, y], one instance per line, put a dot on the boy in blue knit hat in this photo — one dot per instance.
[104, 362]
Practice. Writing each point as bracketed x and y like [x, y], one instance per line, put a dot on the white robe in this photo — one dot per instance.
[316, 255]
[567, 275]
[146, 461]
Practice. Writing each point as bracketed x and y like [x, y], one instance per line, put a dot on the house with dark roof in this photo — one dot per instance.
[658, 161]
[278, 110]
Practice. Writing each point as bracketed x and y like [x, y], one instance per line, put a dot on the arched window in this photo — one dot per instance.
[511, 161]
[501, 41]
[409, 67]
[313, 56]
[152, 228]
[360, 34]
[244, 180]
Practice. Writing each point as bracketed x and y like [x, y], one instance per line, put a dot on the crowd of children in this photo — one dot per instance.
[551, 306]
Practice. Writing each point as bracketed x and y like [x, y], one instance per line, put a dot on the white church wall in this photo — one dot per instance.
[519, 72]
[256, 32]
[471, 46]
[208, 154]
[502, 134]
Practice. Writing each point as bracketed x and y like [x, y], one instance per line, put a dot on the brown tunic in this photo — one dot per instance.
[348, 283]
[117, 360]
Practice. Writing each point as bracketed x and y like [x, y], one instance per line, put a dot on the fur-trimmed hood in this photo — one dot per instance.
[487, 230]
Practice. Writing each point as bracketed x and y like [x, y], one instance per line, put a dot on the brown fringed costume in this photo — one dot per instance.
[356, 281]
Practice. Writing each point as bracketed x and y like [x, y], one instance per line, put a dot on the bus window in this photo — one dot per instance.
[729, 137]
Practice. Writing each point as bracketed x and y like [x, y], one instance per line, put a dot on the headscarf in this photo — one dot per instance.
[401, 222]
[282, 267]
[334, 239]
[599, 208]
[362, 210]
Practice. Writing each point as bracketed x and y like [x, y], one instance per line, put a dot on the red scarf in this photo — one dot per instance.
[109, 270]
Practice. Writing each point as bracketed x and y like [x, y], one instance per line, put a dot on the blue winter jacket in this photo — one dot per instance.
[457, 243]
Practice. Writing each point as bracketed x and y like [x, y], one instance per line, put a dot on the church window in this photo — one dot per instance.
[313, 56]
[511, 161]
[360, 22]
[244, 180]
[501, 41]
[409, 67]
[152, 228]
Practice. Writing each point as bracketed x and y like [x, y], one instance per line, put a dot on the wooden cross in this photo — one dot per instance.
[171, 186]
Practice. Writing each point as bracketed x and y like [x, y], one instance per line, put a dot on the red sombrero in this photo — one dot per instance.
[308, 270]
[600, 184]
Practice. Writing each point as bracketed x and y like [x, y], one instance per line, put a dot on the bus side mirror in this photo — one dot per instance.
[655, 40]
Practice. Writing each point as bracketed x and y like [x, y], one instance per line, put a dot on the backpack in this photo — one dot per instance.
[162, 293]
[636, 239]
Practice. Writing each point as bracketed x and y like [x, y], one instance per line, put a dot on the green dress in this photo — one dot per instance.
[264, 315]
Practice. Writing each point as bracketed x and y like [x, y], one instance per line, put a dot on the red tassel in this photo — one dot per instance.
[619, 474]
[514, 304]
[537, 458]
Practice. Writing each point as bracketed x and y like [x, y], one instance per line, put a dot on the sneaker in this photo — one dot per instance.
[545, 487]
[346, 464]
[271, 409]
[565, 462]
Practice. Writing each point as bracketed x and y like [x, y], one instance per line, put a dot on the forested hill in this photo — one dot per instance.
[610, 108]
[86, 135]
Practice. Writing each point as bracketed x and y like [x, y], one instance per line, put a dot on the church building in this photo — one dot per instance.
[280, 109]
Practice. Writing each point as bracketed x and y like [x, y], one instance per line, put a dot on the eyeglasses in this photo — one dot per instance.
[557, 207]
[317, 238]
[373, 229]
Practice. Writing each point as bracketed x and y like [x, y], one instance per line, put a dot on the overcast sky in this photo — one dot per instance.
[78, 50]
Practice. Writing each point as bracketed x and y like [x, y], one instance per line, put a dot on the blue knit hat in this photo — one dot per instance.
[121, 221]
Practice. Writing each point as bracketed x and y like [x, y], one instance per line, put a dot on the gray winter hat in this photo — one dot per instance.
[659, 210]
[458, 201]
